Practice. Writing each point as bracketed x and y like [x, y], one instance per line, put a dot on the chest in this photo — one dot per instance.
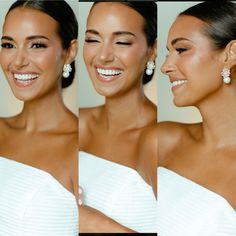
[210, 168]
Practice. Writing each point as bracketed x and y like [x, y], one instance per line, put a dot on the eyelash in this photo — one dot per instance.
[124, 43]
[91, 41]
[96, 41]
[7, 45]
[181, 50]
[38, 45]
[34, 45]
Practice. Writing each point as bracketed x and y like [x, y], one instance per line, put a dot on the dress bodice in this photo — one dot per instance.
[186, 208]
[34, 203]
[118, 191]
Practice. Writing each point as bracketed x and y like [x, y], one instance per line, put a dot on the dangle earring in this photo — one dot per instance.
[226, 75]
[150, 67]
[66, 70]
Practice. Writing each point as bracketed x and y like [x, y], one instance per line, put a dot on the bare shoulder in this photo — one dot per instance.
[171, 135]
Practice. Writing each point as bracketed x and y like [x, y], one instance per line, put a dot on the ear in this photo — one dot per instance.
[152, 54]
[230, 52]
[72, 51]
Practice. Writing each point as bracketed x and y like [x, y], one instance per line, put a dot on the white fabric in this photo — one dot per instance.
[117, 191]
[185, 208]
[34, 203]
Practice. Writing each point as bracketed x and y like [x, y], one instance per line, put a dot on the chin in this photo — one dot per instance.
[181, 103]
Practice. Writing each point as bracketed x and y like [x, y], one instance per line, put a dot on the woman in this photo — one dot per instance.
[38, 146]
[119, 52]
[196, 180]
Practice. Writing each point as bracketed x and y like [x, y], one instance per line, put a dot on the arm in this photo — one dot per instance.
[93, 221]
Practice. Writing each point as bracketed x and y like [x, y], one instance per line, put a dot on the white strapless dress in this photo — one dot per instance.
[34, 203]
[117, 191]
[186, 208]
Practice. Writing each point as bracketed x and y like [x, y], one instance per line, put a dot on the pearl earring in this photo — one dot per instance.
[66, 70]
[150, 67]
[226, 75]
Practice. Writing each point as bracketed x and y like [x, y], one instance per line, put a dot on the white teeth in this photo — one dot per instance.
[25, 77]
[108, 72]
[178, 82]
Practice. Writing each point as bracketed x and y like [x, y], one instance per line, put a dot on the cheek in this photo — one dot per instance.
[5, 59]
[88, 53]
[133, 57]
[49, 60]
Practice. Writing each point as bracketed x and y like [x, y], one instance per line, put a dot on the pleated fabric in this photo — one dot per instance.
[34, 203]
[117, 191]
[186, 208]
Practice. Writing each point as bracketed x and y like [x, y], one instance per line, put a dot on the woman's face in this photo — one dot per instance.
[193, 66]
[32, 56]
[115, 48]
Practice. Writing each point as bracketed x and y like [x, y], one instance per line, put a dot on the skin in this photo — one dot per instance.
[115, 129]
[41, 123]
[211, 146]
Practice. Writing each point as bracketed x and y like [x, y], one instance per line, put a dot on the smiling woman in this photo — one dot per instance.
[119, 52]
[38, 146]
[196, 173]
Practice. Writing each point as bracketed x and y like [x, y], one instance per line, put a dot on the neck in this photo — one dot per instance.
[129, 111]
[219, 118]
[43, 114]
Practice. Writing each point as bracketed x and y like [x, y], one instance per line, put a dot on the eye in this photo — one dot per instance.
[38, 45]
[7, 45]
[181, 50]
[123, 43]
[91, 41]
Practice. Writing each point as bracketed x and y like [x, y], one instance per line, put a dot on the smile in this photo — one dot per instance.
[178, 82]
[108, 72]
[25, 79]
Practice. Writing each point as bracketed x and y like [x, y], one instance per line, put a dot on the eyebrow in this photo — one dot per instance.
[176, 40]
[28, 38]
[116, 33]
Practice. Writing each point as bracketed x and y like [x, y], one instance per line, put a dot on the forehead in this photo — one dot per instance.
[187, 27]
[115, 16]
[25, 21]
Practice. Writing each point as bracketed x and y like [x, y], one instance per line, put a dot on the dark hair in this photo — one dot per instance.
[148, 10]
[60, 11]
[220, 19]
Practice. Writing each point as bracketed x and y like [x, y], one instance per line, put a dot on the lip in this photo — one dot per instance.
[108, 78]
[177, 83]
[26, 82]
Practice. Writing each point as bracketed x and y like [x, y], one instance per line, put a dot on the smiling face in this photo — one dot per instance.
[193, 65]
[32, 56]
[115, 48]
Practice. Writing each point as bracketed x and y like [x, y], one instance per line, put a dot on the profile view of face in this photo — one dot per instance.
[193, 64]
[115, 49]
[31, 56]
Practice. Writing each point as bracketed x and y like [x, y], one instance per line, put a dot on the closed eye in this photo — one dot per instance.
[181, 50]
[124, 43]
[91, 41]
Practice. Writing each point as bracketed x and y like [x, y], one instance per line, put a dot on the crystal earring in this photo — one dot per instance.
[226, 75]
[150, 67]
[66, 70]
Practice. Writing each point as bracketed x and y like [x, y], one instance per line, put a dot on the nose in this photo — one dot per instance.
[106, 53]
[168, 66]
[20, 58]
